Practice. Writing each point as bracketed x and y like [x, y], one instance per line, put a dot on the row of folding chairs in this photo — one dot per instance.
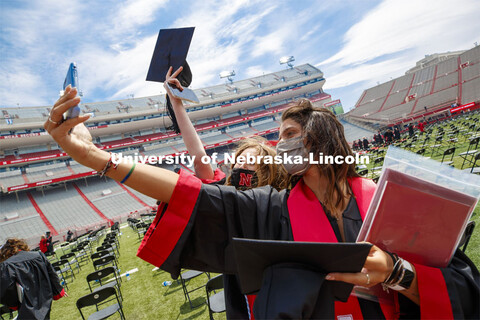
[105, 282]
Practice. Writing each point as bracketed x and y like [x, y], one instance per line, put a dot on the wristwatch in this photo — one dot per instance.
[407, 278]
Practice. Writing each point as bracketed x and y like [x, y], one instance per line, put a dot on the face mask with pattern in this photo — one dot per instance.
[243, 179]
[294, 147]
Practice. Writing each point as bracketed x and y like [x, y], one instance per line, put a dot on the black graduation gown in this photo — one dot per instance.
[40, 283]
[196, 231]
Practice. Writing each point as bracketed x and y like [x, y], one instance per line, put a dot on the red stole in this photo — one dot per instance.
[310, 223]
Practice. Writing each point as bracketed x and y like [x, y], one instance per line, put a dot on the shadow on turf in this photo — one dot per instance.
[197, 302]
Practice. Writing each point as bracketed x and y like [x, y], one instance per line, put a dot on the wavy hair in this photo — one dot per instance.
[267, 174]
[324, 134]
[12, 247]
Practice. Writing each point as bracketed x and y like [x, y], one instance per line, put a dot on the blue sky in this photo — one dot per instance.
[356, 43]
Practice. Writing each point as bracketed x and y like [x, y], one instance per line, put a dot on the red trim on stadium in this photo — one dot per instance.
[42, 215]
[386, 98]
[434, 80]
[459, 92]
[91, 204]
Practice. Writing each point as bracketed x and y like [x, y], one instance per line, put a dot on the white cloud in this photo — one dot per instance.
[393, 26]
[22, 87]
[112, 42]
[130, 15]
[255, 71]
[221, 41]
[390, 38]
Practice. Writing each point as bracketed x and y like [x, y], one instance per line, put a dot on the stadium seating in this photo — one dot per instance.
[436, 87]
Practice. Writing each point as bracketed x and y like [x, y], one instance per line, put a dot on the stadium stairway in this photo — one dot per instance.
[354, 132]
[42, 215]
[100, 213]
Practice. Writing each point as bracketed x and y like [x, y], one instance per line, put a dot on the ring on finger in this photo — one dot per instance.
[54, 122]
[368, 279]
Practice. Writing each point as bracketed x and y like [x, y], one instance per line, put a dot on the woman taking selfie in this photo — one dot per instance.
[328, 204]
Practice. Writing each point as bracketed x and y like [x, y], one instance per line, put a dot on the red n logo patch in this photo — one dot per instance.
[245, 180]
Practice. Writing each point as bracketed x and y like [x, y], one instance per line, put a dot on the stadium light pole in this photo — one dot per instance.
[227, 74]
[287, 60]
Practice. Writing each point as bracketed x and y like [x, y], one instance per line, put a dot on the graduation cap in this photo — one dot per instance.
[171, 50]
[254, 257]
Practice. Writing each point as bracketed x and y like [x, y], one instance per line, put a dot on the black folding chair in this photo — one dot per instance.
[111, 243]
[104, 261]
[97, 297]
[65, 268]
[421, 151]
[185, 277]
[377, 166]
[363, 172]
[72, 260]
[99, 254]
[437, 146]
[106, 277]
[81, 254]
[141, 228]
[449, 151]
[474, 168]
[468, 156]
[215, 301]
[107, 247]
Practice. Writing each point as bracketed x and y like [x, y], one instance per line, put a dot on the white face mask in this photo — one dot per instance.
[294, 147]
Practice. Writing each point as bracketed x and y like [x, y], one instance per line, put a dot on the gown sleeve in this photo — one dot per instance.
[195, 231]
[8, 292]
[57, 288]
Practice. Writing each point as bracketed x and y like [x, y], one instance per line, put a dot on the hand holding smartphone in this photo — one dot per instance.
[71, 79]
[185, 94]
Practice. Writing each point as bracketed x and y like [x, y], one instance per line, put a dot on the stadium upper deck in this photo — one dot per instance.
[223, 95]
[252, 105]
[423, 91]
[23, 126]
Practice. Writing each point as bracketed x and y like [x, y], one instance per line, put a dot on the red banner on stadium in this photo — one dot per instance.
[322, 97]
[331, 103]
[463, 107]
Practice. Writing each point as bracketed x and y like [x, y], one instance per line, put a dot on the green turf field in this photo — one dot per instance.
[144, 296]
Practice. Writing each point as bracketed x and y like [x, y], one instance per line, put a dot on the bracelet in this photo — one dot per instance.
[407, 277]
[395, 269]
[400, 279]
[107, 166]
[128, 174]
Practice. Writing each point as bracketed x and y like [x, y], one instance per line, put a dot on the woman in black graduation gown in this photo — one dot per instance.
[31, 271]
[327, 205]
[243, 176]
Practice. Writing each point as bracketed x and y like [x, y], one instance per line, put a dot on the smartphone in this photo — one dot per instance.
[71, 79]
[186, 94]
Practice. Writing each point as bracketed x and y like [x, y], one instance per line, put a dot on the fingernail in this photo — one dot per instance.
[88, 114]
[329, 277]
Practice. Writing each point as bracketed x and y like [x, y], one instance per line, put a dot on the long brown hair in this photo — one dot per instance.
[267, 174]
[324, 134]
[12, 247]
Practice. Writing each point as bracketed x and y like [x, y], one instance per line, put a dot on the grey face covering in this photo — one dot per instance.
[289, 149]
